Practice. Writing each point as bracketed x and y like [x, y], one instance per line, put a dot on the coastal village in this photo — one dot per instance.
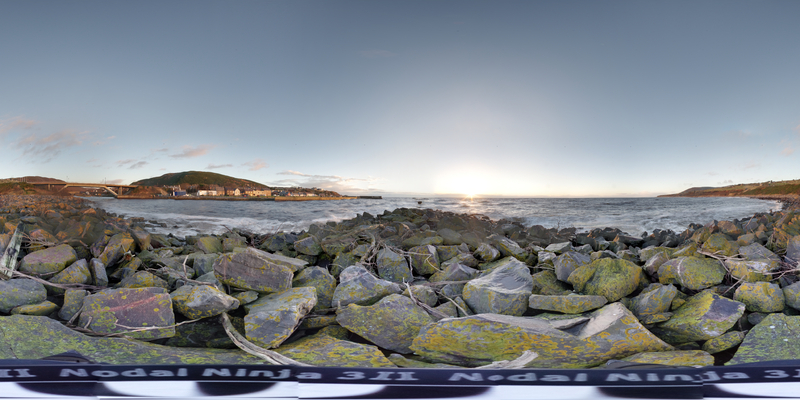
[233, 191]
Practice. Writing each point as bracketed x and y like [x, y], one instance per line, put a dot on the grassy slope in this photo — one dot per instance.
[781, 188]
[198, 178]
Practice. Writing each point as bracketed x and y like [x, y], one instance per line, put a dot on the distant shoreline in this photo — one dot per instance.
[227, 198]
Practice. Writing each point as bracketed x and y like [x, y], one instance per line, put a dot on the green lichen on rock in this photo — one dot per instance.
[48, 261]
[655, 299]
[392, 267]
[320, 279]
[116, 248]
[424, 259]
[546, 283]
[718, 243]
[124, 310]
[392, 323]
[570, 304]
[607, 277]
[73, 301]
[504, 290]
[727, 340]
[704, 316]
[611, 332]
[325, 350]
[209, 244]
[760, 296]
[694, 273]
[273, 318]
[44, 308]
[142, 279]
[679, 358]
[774, 338]
[358, 286]
[202, 301]
[19, 292]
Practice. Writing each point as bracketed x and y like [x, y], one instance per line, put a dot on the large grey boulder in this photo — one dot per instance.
[507, 247]
[773, 339]
[392, 266]
[424, 259]
[78, 273]
[653, 300]
[126, 310]
[320, 279]
[48, 261]
[309, 246]
[611, 332]
[115, 250]
[358, 286]
[608, 277]
[793, 248]
[694, 273]
[392, 323]
[760, 297]
[570, 304]
[249, 271]
[20, 292]
[704, 316]
[504, 290]
[294, 264]
[568, 262]
[273, 318]
[202, 301]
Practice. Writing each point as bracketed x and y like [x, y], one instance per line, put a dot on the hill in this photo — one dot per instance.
[764, 189]
[198, 178]
[17, 188]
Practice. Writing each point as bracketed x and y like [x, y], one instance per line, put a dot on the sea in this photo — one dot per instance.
[632, 215]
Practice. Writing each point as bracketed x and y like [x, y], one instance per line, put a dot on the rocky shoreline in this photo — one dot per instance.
[407, 288]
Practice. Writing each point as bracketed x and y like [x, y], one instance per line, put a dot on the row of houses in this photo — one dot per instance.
[237, 192]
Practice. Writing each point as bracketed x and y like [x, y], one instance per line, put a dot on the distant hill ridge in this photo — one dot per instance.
[770, 188]
[198, 178]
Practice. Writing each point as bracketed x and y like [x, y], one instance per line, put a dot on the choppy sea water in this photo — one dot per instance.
[632, 215]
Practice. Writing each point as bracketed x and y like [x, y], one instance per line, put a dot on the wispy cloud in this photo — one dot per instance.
[377, 54]
[104, 141]
[726, 182]
[256, 164]
[213, 166]
[50, 146]
[330, 182]
[191, 152]
[138, 165]
[787, 150]
[16, 123]
[123, 162]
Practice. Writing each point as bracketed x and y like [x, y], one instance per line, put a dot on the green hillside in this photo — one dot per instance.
[198, 178]
[771, 188]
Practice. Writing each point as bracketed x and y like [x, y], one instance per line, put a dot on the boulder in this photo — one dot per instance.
[611, 278]
[760, 297]
[250, 272]
[232, 243]
[793, 248]
[209, 244]
[718, 243]
[546, 283]
[78, 272]
[323, 349]
[568, 262]
[73, 301]
[143, 279]
[704, 316]
[294, 264]
[570, 304]
[43, 309]
[115, 250]
[423, 294]
[727, 340]
[392, 266]
[320, 279]
[48, 261]
[773, 339]
[611, 332]
[32, 337]
[98, 271]
[141, 237]
[751, 271]
[20, 292]
[358, 286]
[487, 253]
[504, 290]
[681, 358]
[655, 299]
[424, 259]
[791, 294]
[507, 247]
[202, 301]
[392, 323]
[124, 310]
[693, 273]
[309, 246]
[273, 318]
[559, 248]
[447, 252]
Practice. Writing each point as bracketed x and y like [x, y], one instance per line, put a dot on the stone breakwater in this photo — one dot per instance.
[407, 288]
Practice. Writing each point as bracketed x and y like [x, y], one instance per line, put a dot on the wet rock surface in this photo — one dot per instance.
[409, 287]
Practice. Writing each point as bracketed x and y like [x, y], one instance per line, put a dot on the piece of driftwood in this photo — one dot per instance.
[8, 261]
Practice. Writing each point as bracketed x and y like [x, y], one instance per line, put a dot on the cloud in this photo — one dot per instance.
[161, 150]
[212, 166]
[191, 152]
[138, 165]
[377, 54]
[114, 181]
[102, 142]
[725, 182]
[752, 165]
[51, 145]
[123, 162]
[256, 164]
[787, 151]
[16, 123]
[329, 182]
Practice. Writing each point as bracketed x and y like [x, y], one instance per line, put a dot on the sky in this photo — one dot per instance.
[394, 98]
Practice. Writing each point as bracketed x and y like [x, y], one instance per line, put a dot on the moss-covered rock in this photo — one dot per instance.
[325, 350]
[358, 286]
[611, 333]
[486, 253]
[309, 246]
[655, 299]
[774, 338]
[48, 261]
[423, 294]
[125, 310]
[73, 301]
[31, 337]
[570, 304]
[607, 277]
[507, 247]
[546, 283]
[694, 273]
[424, 259]
[143, 279]
[680, 358]
[704, 316]
[718, 243]
[249, 271]
[392, 266]
[273, 318]
[760, 296]
[20, 292]
[44, 308]
[320, 279]
[727, 340]
[568, 262]
[209, 244]
[504, 290]
[391, 323]
[115, 250]
[202, 301]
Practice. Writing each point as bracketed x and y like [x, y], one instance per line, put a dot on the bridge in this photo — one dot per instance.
[59, 186]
